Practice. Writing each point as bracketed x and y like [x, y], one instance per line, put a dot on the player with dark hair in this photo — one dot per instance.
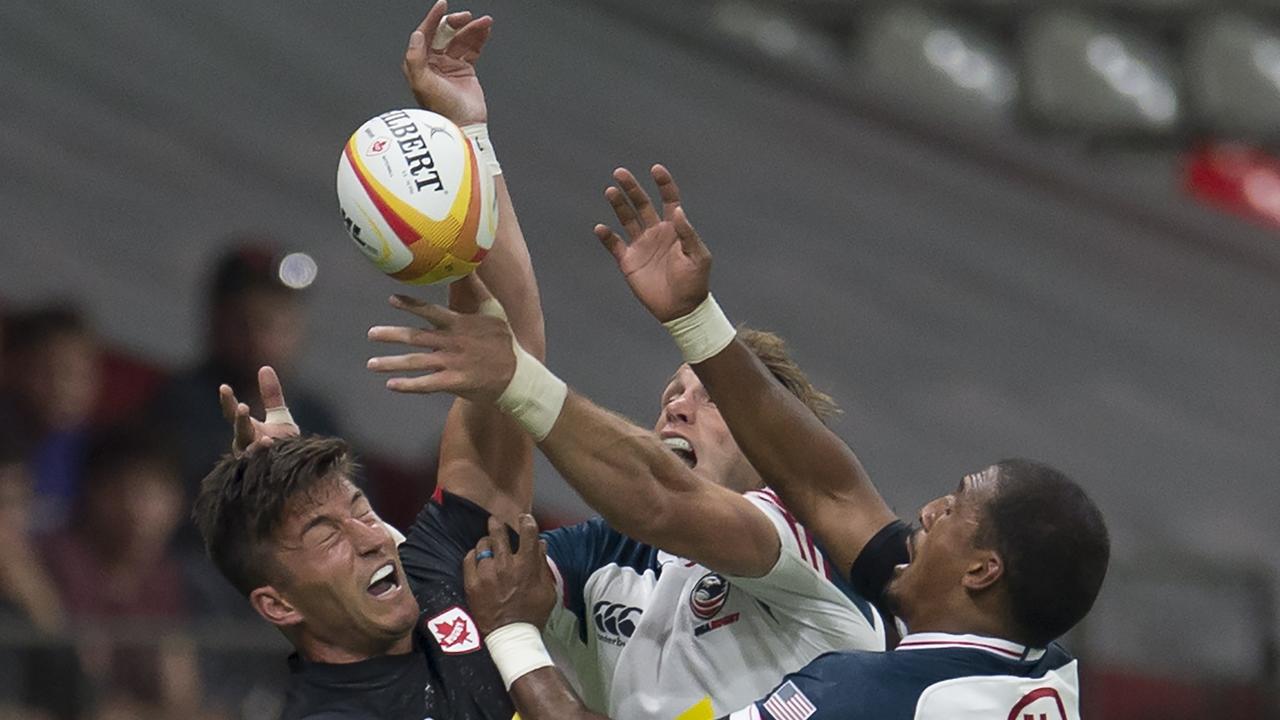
[381, 631]
[995, 570]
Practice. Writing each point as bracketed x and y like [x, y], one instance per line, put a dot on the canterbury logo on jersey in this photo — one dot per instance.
[615, 622]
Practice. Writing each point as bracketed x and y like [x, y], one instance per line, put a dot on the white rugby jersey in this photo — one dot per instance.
[930, 676]
[646, 634]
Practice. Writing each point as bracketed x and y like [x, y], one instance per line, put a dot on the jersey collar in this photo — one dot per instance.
[1001, 648]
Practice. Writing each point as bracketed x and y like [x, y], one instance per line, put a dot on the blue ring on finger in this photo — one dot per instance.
[484, 555]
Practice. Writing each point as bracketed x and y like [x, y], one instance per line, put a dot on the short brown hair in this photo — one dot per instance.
[243, 500]
[772, 351]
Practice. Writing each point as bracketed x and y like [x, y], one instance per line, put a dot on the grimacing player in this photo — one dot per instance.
[380, 632]
[993, 573]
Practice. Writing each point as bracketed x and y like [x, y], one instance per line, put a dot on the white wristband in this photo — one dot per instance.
[517, 650]
[702, 333]
[479, 134]
[534, 397]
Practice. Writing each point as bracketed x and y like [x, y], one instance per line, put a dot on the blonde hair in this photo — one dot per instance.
[772, 351]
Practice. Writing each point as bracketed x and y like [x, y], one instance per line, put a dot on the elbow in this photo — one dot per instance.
[655, 515]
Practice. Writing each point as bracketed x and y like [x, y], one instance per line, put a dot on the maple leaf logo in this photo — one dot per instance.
[453, 633]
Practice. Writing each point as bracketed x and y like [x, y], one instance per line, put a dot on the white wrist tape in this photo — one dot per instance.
[444, 33]
[479, 134]
[492, 308]
[702, 333]
[534, 397]
[517, 650]
[279, 415]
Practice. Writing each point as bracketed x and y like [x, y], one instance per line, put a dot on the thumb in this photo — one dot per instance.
[468, 293]
[415, 56]
[690, 241]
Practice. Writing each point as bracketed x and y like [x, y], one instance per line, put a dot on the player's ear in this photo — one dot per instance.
[984, 569]
[274, 607]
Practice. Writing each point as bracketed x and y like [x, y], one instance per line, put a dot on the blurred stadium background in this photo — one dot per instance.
[988, 227]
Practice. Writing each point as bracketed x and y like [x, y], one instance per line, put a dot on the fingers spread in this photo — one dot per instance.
[227, 399]
[269, 387]
[243, 426]
[667, 190]
[441, 317]
[407, 336]
[626, 214]
[611, 241]
[413, 362]
[442, 381]
[638, 197]
[690, 241]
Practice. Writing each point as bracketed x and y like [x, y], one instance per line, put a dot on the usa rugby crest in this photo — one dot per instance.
[709, 596]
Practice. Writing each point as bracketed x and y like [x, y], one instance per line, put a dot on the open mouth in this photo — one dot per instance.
[682, 449]
[911, 551]
[384, 582]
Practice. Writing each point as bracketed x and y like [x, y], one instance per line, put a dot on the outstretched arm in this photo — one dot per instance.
[623, 471]
[815, 473]
[484, 457]
[628, 475]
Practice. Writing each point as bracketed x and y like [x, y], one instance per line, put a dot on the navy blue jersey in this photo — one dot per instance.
[930, 676]
[449, 675]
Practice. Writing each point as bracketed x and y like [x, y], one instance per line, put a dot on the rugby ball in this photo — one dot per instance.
[415, 197]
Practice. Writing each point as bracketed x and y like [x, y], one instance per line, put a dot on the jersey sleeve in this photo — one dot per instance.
[443, 534]
[873, 568]
[440, 538]
[575, 553]
[803, 585]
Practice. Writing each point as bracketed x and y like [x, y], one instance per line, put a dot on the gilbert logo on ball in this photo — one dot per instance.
[415, 198]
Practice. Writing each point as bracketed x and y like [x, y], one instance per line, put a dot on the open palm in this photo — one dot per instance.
[664, 262]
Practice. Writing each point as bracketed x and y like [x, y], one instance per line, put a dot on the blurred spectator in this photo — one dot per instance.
[253, 320]
[38, 669]
[26, 591]
[52, 373]
[118, 578]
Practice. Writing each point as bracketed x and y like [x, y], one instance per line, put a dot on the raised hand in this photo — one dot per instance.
[249, 433]
[466, 349]
[505, 586]
[440, 63]
[663, 260]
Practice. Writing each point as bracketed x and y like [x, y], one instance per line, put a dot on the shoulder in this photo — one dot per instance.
[591, 545]
[852, 685]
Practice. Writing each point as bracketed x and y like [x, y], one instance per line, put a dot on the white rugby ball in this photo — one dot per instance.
[416, 198]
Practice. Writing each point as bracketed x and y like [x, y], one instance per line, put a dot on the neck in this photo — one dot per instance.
[318, 651]
[967, 620]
